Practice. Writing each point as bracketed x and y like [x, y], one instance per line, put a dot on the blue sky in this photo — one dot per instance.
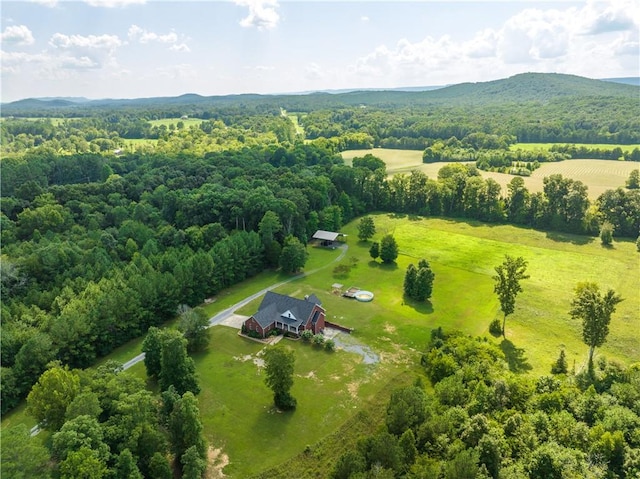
[137, 48]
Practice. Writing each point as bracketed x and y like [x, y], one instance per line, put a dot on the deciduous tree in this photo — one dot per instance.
[279, 364]
[388, 249]
[293, 256]
[177, 368]
[51, 395]
[595, 311]
[366, 228]
[194, 324]
[508, 277]
[185, 428]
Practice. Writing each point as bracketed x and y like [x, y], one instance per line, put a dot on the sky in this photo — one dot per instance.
[138, 49]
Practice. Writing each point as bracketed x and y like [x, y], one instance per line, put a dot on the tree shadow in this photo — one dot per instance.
[569, 238]
[418, 306]
[516, 359]
[608, 246]
[388, 266]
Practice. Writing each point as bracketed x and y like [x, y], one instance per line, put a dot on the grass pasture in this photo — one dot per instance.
[598, 175]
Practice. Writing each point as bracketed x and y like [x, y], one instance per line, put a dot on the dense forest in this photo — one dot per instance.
[102, 240]
[479, 420]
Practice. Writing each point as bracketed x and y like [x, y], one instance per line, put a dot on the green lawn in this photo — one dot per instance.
[237, 407]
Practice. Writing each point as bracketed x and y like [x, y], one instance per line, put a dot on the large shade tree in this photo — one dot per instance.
[279, 365]
[595, 311]
[507, 278]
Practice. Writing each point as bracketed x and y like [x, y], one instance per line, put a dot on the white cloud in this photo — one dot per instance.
[18, 35]
[109, 42]
[610, 16]
[262, 13]
[114, 3]
[364, 19]
[598, 36]
[81, 63]
[180, 47]
[13, 61]
[78, 52]
[144, 36]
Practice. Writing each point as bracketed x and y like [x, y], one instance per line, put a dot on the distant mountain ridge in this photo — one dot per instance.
[524, 87]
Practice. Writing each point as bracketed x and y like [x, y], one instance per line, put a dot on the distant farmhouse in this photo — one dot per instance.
[287, 314]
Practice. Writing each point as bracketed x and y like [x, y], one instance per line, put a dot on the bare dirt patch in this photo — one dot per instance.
[389, 328]
[353, 389]
[216, 462]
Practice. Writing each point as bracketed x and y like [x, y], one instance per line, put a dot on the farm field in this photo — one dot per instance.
[598, 175]
[547, 146]
[169, 121]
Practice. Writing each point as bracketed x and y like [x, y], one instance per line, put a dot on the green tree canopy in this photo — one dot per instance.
[293, 255]
[279, 364]
[595, 311]
[508, 277]
[388, 249]
[366, 228]
[51, 395]
[177, 368]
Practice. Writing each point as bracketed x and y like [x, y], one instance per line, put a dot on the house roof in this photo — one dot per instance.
[325, 235]
[285, 309]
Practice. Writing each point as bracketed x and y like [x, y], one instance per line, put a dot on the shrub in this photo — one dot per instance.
[306, 335]
[560, 366]
[330, 345]
[318, 340]
[606, 233]
[495, 327]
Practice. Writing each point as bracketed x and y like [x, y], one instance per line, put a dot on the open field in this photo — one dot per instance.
[332, 388]
[168, 121]
[598, 175]
[546, 146]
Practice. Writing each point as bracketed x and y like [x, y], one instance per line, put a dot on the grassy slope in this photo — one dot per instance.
[598, 175]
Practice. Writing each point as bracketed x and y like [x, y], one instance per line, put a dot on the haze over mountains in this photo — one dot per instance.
[519, 88]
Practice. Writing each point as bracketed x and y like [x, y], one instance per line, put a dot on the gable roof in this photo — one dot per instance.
[285, 309]
[325, 235]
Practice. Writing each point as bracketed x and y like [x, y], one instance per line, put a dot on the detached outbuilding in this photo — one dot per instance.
[287, 314]
[327, 238]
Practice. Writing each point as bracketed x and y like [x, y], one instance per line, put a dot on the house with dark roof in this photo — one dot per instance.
[287, 314]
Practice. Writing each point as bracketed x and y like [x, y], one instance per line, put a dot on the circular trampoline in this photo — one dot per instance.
[364, 296]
